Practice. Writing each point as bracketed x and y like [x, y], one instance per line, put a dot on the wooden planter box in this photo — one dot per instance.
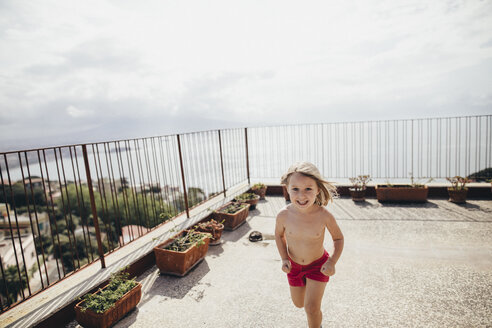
[216, 234]
[90, 319]
[232, 221]
[358, 195]
[457, 196]
[179, 263]
[402, 193]
[252, 203]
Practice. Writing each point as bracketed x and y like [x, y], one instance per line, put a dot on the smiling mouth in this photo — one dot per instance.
[302, 203]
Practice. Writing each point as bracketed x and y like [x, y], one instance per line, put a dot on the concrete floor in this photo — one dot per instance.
[414, 265]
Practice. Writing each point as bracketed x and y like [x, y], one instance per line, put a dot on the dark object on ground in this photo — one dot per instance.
[255, 236]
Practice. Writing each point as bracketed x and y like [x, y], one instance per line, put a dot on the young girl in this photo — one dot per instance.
[299, 234]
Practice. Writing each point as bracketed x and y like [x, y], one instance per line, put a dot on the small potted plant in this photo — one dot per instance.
[181, 253]
[259, 189]
[413, 192]
[111, 303]
[250, 198]
[212, 227]
[359, 185]
[233, 214]
[458, 191]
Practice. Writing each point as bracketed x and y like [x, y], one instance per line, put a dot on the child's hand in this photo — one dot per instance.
[328, 269]
[286, 266]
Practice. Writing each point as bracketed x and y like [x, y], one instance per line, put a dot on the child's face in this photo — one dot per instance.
[302, 190]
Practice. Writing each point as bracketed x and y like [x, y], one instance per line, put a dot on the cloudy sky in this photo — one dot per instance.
[82, 71]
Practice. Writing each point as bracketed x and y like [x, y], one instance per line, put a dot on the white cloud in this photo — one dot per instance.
[76, 112]
[251, 63]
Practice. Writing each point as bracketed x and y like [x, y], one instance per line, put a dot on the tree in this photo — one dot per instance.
[19, 195]
[195, 195]
[79, 200]
[12, 283]
[68, 255]
[129, 207]
[46, 240]
[482, 175]
[73, 223]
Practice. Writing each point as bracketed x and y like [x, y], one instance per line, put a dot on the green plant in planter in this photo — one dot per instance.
[211, 225]
[182, 252]
[360, 182]
[458, 183]
[259, 189]
[233, 208]
[119, 285]
[458, 191]
[250, 198]
[359, 185]
[182, 242]
[413, 192]
[233, 213]
[258, 186]
[246, 196]
[417, 184]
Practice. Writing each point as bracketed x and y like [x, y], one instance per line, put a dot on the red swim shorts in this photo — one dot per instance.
[298, 273]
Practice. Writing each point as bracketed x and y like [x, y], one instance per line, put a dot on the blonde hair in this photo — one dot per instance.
[327, 190]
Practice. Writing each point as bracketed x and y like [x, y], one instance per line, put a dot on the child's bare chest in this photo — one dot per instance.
[302, 229]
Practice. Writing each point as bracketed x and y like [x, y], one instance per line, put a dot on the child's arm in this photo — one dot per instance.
[336, 234]
[281, 242]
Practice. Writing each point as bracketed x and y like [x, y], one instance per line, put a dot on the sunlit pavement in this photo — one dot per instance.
[413, 265]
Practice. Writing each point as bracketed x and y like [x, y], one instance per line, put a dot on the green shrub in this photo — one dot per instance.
[258, 186]
[233, 208]
[119, 285]
[185, 240]
[246, 196]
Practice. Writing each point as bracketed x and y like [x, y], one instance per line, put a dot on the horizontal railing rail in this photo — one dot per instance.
[65, 207]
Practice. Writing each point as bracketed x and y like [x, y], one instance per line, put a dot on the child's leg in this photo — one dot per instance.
[312, 302]
[297, 295]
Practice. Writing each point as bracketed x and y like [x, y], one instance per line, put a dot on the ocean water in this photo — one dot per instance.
[387, 150]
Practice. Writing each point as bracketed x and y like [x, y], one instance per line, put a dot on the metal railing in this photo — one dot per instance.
[66, 207]
[425, 148]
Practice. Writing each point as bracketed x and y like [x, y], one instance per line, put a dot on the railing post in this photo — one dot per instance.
[222, 163]
[411, 151]
[247, 153]
[93, 207]
[183, 178]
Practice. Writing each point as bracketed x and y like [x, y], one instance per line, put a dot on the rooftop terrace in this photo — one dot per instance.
[94, 208]
[414, 265]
